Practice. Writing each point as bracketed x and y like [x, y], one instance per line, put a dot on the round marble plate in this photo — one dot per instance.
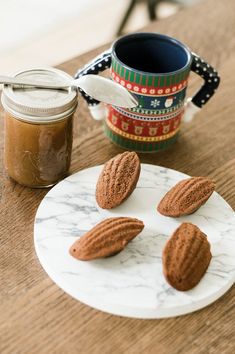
[131, 283]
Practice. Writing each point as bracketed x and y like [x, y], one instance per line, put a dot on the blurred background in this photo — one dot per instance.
[48, 32]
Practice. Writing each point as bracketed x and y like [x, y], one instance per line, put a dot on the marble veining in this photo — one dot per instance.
[131, 283]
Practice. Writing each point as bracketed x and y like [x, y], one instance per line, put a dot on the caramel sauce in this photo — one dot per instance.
[37, 155]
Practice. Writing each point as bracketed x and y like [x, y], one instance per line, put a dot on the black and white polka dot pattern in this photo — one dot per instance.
[100, 63]
[209, 75]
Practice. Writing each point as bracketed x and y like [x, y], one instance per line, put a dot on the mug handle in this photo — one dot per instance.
[211, 83]
[95, 66]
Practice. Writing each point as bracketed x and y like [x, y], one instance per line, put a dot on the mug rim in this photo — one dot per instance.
[156, 35]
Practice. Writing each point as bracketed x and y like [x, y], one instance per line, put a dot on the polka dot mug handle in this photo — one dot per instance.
[97, 65]
[212, 80]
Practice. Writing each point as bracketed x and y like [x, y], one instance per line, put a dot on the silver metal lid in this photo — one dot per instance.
[40, 105]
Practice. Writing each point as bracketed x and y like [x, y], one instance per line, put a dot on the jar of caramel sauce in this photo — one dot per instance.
[38, 129]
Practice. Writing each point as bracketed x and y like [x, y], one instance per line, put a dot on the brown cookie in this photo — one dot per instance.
[107, 238]
[117, 180]
[186, 257]
[186, 196]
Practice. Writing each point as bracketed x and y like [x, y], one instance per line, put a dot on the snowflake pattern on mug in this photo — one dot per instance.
[155, 103]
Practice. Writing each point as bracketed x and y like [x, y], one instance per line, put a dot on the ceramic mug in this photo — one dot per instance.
[155, 68]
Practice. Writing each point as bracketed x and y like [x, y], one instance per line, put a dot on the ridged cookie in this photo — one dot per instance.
[107, 238]
[117, 180]
[186, 257]
[186, 196]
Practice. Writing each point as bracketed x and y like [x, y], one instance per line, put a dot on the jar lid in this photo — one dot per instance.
[40, 105]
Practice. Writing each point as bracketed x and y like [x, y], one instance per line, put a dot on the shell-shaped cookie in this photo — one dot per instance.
[186, 196]
[107, 238]
[117, 180]
[186, 257]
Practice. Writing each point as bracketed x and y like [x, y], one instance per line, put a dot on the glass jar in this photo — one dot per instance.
[38, 129]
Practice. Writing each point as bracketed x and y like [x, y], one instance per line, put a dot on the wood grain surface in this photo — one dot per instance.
[35, 315]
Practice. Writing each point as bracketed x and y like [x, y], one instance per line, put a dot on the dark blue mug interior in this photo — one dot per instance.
[151, 53]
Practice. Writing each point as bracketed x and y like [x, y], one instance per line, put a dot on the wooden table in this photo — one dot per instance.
[35, 315]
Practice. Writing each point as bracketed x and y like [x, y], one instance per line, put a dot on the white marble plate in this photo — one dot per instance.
[131, 283]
